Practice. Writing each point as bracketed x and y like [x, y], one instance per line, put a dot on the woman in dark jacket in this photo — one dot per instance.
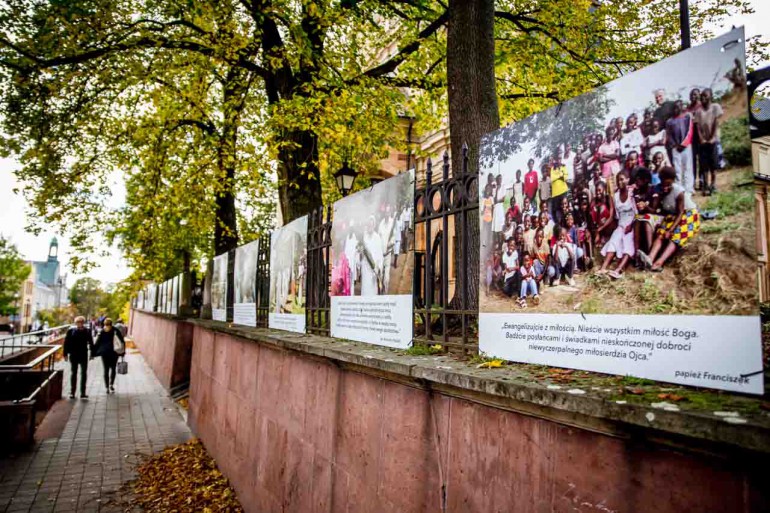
[105, 347]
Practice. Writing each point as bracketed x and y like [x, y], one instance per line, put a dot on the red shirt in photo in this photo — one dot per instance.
[530, 184]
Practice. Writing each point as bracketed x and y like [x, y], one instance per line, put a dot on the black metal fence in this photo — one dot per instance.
[445, 305]
[319, 243]
[263, 281]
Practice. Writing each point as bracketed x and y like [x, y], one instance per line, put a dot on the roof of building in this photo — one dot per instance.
[46, 272]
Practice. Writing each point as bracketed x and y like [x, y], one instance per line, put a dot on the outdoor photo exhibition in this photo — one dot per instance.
[422, 256]
[594, 234]
[288, 273]
[373, 263]
[219, 288]
[245, 300]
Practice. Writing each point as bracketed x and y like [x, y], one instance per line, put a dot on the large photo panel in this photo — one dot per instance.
[288, 266]
[617, 236]
[175, 295]
[245, 293]
[372, 264]
[219, 288]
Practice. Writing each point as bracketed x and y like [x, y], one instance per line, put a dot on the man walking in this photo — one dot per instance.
[78, 345]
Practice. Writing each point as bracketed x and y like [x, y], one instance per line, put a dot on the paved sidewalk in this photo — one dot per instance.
[99, 447]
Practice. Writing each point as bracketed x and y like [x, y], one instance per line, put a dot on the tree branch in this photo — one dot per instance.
[136, 44]
[205, 127]
[394, 62]
[552, 95]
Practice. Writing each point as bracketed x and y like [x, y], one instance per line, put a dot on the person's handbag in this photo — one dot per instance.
[122, 366]
[118, 345]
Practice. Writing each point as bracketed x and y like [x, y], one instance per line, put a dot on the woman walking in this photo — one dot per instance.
[109, 348]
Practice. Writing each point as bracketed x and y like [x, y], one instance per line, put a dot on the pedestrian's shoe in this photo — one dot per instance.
[83, 396]
[571, 282]
[72, 396]
[112, 389]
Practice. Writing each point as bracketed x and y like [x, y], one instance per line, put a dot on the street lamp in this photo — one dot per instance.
[59, 285]
[16, 317]
[345, 178]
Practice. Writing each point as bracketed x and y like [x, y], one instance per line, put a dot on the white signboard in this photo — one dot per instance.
[245, 301]
[372, 264]
[594, 249]
[219, 288]
[175, 295]
[288, 269]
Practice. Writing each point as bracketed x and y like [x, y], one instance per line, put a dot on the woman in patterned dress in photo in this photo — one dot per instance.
[680, 224]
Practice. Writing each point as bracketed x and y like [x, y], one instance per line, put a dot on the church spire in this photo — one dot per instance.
[53, 250]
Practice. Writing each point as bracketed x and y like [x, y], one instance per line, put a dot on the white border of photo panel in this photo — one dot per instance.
[175, 295]
[691, 350]
[245, 313]
[287, 321]
[715, 351]
[219, 314]
[385, 320]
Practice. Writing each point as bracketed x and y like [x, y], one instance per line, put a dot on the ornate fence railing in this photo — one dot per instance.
[263, 281]
[319, 243]
[446, 259]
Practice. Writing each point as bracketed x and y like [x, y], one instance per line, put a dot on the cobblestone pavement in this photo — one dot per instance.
[99, 447]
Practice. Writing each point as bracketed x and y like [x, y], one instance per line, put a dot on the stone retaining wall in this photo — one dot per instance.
[303, 424]
[166, 345]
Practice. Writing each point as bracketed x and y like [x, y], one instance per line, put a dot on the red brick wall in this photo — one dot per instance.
[298, 434]
[166, 346]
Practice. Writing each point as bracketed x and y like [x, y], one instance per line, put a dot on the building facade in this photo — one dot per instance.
[44, 289]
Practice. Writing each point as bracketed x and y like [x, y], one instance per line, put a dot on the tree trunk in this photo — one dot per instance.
[473, 112]
[471, 77]
[226, 227]
[299, 181]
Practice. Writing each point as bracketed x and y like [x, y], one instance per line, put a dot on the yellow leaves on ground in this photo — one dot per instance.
[184, 478]
[491, 364]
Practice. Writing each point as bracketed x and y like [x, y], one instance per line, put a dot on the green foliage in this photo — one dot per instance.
[57, 316]
[423, 350]
[87, 296]
[736, 143]
[738, 198]
[13, 271]
[209, 111]
[116, 300]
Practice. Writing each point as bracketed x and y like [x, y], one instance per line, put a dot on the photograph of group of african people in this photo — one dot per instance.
[622, 200]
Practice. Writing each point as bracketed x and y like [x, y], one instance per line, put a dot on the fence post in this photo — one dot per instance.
[263, 281]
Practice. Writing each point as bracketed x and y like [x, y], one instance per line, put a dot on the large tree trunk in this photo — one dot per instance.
[473, 112]
[471, 77]
[299, 181]
[226, 227]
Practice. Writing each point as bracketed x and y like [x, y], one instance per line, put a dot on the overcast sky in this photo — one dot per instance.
[13, 212]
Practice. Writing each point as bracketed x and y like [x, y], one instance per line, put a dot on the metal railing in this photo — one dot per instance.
[43, 362]
[15, 343]
[446, 269]
[319, 242]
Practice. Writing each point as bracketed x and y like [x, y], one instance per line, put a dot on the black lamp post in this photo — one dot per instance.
[345, 178]
[684, 23]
